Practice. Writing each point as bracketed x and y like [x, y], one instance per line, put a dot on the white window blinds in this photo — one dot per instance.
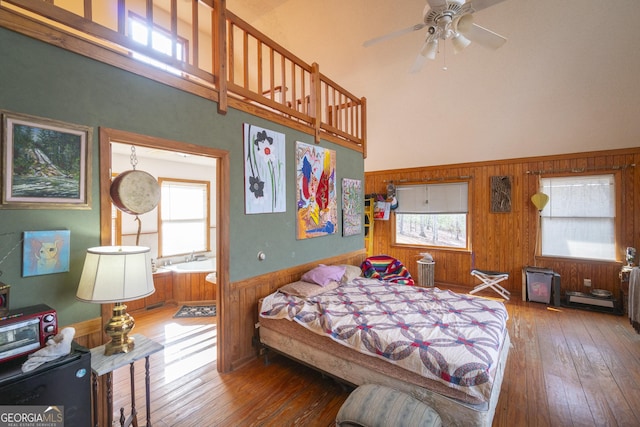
[579, 220]
[451, 197]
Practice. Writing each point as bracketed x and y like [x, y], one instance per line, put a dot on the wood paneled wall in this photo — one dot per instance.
[243, 304]
[89, 333]
[506, 241]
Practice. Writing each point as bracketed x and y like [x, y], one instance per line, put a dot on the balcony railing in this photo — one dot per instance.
[203, 44]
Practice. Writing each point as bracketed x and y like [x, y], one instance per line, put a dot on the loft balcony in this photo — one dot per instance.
[203, 48]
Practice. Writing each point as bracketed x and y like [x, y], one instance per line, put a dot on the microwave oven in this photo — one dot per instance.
[25, 330]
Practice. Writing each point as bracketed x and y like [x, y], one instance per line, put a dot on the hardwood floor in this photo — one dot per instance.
[566, 368]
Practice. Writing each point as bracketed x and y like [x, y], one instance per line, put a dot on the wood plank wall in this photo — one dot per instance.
[506, 241]
[243, 304]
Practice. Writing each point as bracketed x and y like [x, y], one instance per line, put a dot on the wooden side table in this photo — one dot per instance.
[105, 365]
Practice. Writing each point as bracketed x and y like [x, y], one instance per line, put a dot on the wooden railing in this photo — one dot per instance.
[255, 69]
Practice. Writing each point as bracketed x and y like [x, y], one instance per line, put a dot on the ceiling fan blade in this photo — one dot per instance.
[484, 37]
[428, 51]
[394, 34]
[483, 4]
[478, 34]
[418, 64]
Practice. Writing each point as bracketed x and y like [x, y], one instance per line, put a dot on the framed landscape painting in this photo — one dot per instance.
[46, 163]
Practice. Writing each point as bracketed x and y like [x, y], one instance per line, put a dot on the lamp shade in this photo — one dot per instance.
[539, 200]
[116, 274]
[459, 43]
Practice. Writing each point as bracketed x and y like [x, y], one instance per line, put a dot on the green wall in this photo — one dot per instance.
[45, 81]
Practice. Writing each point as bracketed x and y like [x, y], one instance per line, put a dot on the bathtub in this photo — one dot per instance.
[206, 265]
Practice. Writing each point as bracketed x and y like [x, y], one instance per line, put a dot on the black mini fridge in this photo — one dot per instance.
[65, 382]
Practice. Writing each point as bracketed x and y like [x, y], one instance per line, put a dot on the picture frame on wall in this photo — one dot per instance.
[45, 252]
[352, 207]
[500, 194]
[264, 170]
[46, 164]
[316, 192]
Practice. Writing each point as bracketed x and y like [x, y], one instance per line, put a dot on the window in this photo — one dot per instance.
[432, 215]
[183, 211]
[579, 219]
[161, 40]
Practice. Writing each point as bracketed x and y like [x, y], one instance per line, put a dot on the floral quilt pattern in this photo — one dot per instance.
[451, 338]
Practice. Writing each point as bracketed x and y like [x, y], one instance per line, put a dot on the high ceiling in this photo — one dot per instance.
[566, 81]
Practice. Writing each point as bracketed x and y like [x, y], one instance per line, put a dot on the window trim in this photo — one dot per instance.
[207, 184]
[617, 223]
[468, 244]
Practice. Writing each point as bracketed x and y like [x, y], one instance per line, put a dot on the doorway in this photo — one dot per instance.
[112, 144]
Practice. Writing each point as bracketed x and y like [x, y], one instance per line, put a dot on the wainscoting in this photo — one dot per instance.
[506, 241]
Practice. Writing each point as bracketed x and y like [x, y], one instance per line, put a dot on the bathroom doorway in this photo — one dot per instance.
[167, 158]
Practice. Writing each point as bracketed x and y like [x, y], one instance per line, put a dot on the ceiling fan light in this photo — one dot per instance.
[459, 42]
[430, 49]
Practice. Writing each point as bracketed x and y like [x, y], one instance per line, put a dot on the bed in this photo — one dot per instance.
[445, 349]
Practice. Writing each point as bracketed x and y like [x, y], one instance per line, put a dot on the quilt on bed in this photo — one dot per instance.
[452, 338]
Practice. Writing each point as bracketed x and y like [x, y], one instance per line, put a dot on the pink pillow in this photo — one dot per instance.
[323, 274]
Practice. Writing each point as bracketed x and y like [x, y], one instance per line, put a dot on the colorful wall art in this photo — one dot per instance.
[352, 206]
[317, 210]
[264, 170]
[45, 252]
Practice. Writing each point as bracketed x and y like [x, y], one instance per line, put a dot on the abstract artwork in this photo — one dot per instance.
[264, 170]
[45, 252]
[316, 203]
[352, 206]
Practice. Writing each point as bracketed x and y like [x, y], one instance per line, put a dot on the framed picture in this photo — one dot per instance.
[352, 207]
[46, 164]
[45, 252]
[264, 170]
[316, 202]
[500, 194]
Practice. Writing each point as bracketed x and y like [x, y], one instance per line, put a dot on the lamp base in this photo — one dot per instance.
[118, 328]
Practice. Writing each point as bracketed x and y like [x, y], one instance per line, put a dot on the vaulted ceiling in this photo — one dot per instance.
[566, 81]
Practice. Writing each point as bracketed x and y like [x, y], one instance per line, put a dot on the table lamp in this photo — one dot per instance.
[115, 274]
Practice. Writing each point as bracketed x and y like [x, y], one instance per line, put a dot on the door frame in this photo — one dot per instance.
[107, 136]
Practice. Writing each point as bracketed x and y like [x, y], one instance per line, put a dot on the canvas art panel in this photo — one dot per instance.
[316, 199]
[45, 252]
[352, 207]
[500, 194]
[46, 163]
[264, 170]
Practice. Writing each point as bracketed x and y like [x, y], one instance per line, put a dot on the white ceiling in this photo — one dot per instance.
[567, 80]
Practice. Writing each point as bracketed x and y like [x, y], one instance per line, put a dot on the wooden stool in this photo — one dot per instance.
[372, 405]
[490, 279]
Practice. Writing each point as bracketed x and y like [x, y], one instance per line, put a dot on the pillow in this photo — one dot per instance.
[350, 273]
[307, 290]
[323, 274]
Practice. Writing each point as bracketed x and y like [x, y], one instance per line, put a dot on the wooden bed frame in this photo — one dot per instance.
[330, 360]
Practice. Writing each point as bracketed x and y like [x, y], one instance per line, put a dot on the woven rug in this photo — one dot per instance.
[196, 311]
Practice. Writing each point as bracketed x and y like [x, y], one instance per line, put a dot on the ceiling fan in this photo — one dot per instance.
[448, 19]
